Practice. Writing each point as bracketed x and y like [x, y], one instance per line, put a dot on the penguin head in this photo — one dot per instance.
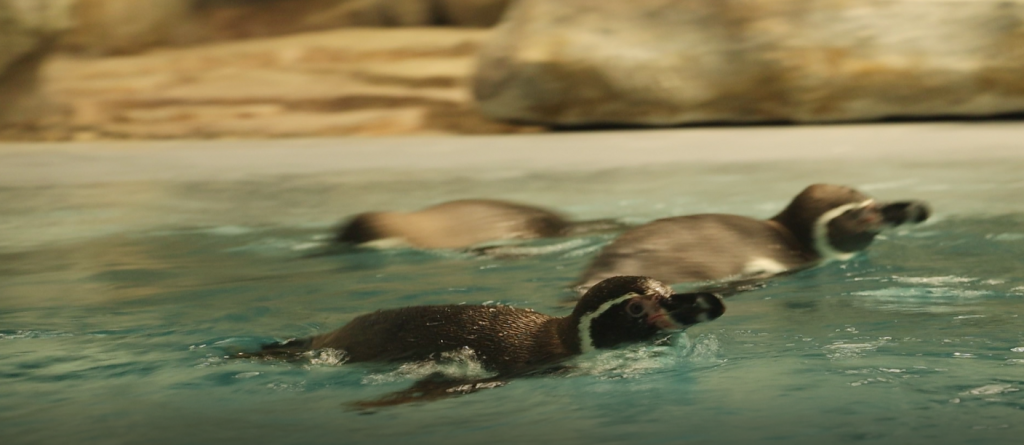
[631, 309]
[839, 221]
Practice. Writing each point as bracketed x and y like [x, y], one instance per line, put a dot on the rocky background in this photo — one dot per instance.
[100, 69]
[88, 69]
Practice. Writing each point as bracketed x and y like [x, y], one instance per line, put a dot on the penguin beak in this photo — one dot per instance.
[874, 217]
[685, 310]
[905, 212]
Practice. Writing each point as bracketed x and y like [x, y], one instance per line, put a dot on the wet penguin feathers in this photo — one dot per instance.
[804, 211]
[463, 223]
[824, 222]
[508, 339]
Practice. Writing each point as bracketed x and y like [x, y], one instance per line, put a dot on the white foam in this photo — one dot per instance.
[18, 335]
[843, 351]
[327, 357]
[637, 360]
[951, 279]
[461, 364]
[991, 389]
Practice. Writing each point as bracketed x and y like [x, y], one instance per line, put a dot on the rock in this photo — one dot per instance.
[341, 82]
[16, 39]
[407, 12]
[26, 29]
[215, 20]
[475, 13]
[666, 62]
[126, 26]
[101, 27]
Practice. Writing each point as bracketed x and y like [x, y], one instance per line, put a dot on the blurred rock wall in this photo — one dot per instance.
[27, 29]
[669, 62]
[30, 30]
[127, 26]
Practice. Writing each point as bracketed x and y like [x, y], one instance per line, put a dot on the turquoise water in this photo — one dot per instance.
[118, 300]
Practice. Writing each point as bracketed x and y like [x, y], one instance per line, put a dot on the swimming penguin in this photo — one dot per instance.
[823, 223]
[463, 223]
[506, 340]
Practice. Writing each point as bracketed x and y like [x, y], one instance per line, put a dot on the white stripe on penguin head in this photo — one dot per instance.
[821, 242]
[587, 343]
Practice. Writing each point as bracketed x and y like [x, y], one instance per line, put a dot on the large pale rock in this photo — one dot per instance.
[126, 26]
[341, 82]
[16, 39]
[103, 27]
[477, 13]
[26, 28]
[663, 62]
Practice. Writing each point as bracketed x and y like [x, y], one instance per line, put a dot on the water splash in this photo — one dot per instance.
[327, 357]
[638, 360]
[460, 364]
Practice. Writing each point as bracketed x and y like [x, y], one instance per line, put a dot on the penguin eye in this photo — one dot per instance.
[635, 308]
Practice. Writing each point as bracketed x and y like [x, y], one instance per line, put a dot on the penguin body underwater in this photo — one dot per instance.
[462, 224]
[823, 223]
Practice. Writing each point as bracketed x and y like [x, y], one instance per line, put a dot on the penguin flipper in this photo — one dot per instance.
[435, 386]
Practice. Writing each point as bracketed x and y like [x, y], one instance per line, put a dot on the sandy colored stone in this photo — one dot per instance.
[479, 13]
[101, 27]
[126, 26]
[667, 62]
[27, 27]
[16, 39]
[344, 82]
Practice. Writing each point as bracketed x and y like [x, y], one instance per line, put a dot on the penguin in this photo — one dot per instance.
[823, 223]
[462, 224]
[506, 340]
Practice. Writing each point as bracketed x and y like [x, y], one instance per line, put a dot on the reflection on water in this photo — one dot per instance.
[115, 315]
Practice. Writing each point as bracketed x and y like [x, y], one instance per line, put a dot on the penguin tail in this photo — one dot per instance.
[288, 349]
[577, 228]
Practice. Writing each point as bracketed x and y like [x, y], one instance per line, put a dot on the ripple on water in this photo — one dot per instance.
[278, 245]
[990, 390]
[946, 280]
[841, 350]
[25, 335]
[922, 299]
[1007, 237]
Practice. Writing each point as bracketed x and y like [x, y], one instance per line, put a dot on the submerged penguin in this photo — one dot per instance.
[506, 340]
[463, 223]
[823, 223]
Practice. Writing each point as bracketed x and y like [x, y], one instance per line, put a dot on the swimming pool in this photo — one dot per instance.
[126, 273]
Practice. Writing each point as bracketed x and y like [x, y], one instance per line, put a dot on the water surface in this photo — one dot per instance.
[118, 301]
